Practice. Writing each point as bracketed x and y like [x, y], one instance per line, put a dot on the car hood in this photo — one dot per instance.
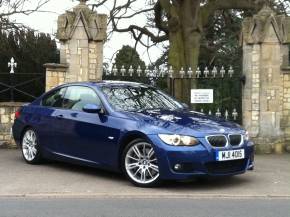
[185, 122]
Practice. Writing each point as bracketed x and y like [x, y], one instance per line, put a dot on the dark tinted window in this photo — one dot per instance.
[127, 98]
[54, 99]
[76, 97]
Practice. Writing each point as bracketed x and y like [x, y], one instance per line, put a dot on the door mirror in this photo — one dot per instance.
[92, 108]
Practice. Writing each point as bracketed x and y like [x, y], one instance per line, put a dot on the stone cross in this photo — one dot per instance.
[12, 64]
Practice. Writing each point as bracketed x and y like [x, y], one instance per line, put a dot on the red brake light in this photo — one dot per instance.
[17, 114]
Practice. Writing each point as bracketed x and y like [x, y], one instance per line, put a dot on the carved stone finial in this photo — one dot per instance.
[82, 1]
[266, 10]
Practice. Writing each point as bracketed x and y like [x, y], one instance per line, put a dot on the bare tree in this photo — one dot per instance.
[9, 8]
[181, 22]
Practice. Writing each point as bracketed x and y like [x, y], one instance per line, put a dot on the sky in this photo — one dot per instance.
[47, 22]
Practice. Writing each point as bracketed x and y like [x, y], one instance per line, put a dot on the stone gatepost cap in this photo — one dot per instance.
[255, 29]
[95, 25]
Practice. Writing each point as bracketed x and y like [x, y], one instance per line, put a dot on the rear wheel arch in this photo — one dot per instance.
[24, 130]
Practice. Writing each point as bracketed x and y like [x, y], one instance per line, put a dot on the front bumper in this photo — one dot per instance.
[199, 160]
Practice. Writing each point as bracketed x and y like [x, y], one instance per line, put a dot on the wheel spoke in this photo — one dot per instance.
[150, 153]
[29, 154]
[133, 158]
[132, 166]
[34, 151]
[150, 174]
[137, 171]
[144, 149]
[154, 167]
[136, 151]
[143, 175]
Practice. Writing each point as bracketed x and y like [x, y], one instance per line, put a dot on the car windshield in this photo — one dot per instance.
[139, 98]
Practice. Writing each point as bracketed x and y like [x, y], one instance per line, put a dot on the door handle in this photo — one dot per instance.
[59, 116]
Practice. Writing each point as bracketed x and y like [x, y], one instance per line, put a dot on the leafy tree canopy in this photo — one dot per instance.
[128, 56]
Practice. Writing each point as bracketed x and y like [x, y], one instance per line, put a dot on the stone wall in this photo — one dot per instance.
[55, 75]
[285, 121]
[7, 111]
[265, 95]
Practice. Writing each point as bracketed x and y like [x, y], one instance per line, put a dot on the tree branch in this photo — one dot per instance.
[160, 24]
[212, 5]
[238, 4]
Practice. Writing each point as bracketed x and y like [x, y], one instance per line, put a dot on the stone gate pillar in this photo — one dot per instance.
[82, 33]
[265, 45]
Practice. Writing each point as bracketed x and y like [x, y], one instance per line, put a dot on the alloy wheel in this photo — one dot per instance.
[29, 145]
[141, 163]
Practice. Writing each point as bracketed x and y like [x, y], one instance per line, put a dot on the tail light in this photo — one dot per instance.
[17, 114]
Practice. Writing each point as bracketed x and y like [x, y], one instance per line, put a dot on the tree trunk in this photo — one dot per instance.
[184, 38]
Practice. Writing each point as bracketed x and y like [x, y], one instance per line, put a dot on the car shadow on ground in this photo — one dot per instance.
[192, 184]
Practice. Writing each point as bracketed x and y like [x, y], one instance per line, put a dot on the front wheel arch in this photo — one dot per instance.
[126, 140]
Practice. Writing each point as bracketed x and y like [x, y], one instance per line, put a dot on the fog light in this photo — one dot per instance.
[177, 167]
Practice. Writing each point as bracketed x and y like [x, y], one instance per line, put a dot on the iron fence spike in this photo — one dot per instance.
[235, 114]
[131, 71]
[139, 71]
[190, 72]
[123, 70]
[223, 71]
[206, 72]
[147, 72]
[170, 71]
[231, 71]
[182, 72]
[218, 113]
[12, 65]
[115, 70]
[226, 115]
[214, 71]
[198, 72]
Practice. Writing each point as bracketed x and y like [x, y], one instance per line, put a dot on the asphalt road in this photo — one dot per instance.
[32, 207]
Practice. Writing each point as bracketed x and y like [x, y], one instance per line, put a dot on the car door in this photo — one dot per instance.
[48, 127]
[85, 136]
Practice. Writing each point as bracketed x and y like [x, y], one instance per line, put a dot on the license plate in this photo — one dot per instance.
[230, 155]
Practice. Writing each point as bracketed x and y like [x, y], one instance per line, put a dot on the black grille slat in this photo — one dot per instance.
[217, 141]
[235, 140]
[226, 166]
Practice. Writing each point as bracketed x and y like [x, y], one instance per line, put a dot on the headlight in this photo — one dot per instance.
[246, 136]
[178, 140]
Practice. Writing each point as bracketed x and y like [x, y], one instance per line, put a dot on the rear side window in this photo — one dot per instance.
[54, 99]
[76, 97]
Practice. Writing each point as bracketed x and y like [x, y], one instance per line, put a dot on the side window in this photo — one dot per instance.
[54, 99]
[76, 97]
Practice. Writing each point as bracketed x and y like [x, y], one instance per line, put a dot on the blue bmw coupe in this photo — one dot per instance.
[131, 128]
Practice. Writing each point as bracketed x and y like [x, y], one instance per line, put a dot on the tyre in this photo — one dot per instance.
[140, 164]
[30, 147]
